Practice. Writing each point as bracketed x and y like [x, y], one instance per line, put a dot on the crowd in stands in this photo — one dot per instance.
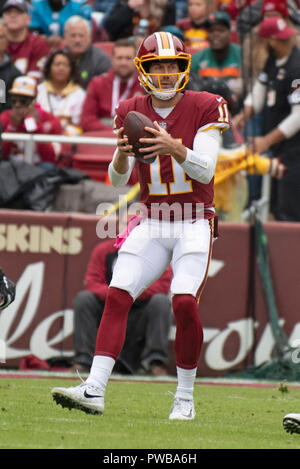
[80, 56]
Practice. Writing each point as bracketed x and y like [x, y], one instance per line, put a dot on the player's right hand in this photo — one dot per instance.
[123, 146]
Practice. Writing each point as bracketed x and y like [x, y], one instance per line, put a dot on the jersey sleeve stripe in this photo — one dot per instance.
[214, 125]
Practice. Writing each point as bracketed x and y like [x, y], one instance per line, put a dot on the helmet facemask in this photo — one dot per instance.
[146, 78]
[163, 48]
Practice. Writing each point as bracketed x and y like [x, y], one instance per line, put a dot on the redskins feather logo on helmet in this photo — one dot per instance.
[162, 46]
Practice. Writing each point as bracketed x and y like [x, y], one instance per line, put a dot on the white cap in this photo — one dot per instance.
[24, 86]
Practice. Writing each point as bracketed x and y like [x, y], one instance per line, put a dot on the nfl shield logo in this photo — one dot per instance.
[163, 125]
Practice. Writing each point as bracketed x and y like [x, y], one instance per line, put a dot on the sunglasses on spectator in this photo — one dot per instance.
[23, 100]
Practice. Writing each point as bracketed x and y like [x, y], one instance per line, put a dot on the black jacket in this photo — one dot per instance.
[27, 187]
[8, 72]
[119, 21]
[93, 62]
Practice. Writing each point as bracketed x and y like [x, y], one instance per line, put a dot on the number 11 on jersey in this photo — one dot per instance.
[179, 185]
[224, 113]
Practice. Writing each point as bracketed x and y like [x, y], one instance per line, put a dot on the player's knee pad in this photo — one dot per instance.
[127, 275]
[189, 331]
[112, 331]
[186, 313]
[185, 284]
[133, 274]
[184, 307]
[140, 262]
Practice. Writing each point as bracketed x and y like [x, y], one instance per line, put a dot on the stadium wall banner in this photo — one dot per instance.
[47, 254]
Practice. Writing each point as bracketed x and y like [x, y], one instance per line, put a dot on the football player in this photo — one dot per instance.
[177, 190]
[291, 423]
[7, 290]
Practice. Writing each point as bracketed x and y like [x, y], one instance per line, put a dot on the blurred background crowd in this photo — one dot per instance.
[65, 65]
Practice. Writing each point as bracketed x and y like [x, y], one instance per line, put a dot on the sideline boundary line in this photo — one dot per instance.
[208, 381]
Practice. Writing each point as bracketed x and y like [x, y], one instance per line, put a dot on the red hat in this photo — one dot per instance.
[275, 27]
[275, 5]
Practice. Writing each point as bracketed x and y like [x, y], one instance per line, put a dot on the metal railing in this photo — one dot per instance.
[262, 205]
[30, 139]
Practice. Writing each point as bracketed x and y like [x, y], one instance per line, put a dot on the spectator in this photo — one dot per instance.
[26, 116]
[106, 91]
[222, 58]
[49, 16]
[193, 26]
[181, 9]
[61, 92]
[276, 94]
[274, 8]
[123, 19]
[255, 50]
[148, 327]
[27, 50]
[232, 7]
[90, 59]
[251, 14]
[173, 30]
[8, 71]
[102, 6]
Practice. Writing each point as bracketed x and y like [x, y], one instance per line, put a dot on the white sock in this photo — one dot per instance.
[100, 371]
[186, 380]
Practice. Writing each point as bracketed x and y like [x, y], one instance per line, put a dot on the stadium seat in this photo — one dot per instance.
[93, 160]
[92, 165]
[94, 149]
[106, 46]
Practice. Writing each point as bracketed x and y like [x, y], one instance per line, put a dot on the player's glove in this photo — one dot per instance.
[276, 168]
[7, 291]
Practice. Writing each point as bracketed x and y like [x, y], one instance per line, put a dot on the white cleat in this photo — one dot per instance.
[83, 397]
[291, 423]
[182, 409]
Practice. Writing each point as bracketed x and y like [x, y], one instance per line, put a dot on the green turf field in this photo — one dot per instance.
[136, 417]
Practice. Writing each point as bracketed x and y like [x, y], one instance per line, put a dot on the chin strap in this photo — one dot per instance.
[163, 96]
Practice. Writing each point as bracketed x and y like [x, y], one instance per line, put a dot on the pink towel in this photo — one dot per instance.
[133, 222]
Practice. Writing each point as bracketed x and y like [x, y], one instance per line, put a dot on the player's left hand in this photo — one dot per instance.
[7, 291]
[161, 143]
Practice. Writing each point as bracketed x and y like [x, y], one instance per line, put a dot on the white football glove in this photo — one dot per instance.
[276, 168]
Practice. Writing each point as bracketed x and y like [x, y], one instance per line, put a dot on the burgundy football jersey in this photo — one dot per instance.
[164, 181]
[29, 56]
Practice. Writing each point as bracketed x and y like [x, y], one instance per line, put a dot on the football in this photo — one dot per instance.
[134, 128]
